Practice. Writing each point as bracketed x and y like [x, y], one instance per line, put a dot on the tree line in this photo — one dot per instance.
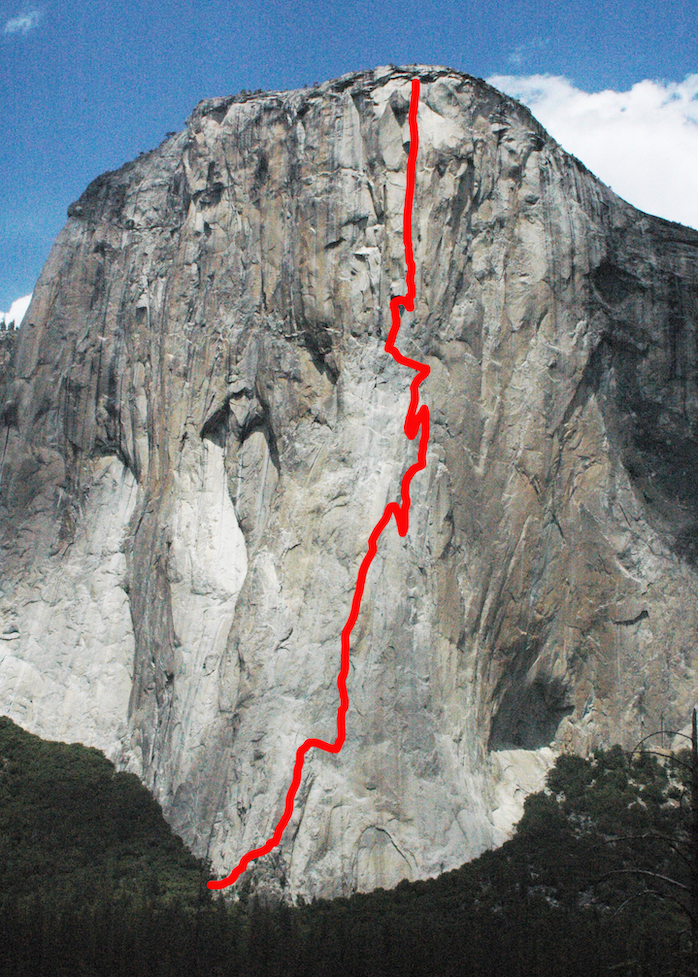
[598, 880]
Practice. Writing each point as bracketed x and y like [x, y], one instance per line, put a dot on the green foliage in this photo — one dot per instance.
[94, 884]
[72, 827]
[624, 838]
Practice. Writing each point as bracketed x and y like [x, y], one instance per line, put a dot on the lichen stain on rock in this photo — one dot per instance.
[199, 391]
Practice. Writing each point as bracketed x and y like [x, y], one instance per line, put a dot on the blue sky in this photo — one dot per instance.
[87, 86]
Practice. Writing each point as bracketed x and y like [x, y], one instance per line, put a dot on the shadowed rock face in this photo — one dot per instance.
[201, 428]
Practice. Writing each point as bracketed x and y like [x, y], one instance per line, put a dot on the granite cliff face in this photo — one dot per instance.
[200, 428]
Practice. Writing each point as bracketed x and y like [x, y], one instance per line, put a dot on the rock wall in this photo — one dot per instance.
[200, 428]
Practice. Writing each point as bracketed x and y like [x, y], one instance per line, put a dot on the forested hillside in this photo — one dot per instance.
[94, 883]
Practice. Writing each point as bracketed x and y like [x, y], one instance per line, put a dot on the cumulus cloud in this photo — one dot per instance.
[643, 143]
[23, 23]
[18, 309]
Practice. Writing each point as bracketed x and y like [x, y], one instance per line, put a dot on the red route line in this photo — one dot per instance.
[417, 420]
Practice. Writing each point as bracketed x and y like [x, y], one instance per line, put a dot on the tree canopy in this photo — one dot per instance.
[595, 881]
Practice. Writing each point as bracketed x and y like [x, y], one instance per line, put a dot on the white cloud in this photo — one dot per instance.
[23, 23]
[643, 143]
[18, 309]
